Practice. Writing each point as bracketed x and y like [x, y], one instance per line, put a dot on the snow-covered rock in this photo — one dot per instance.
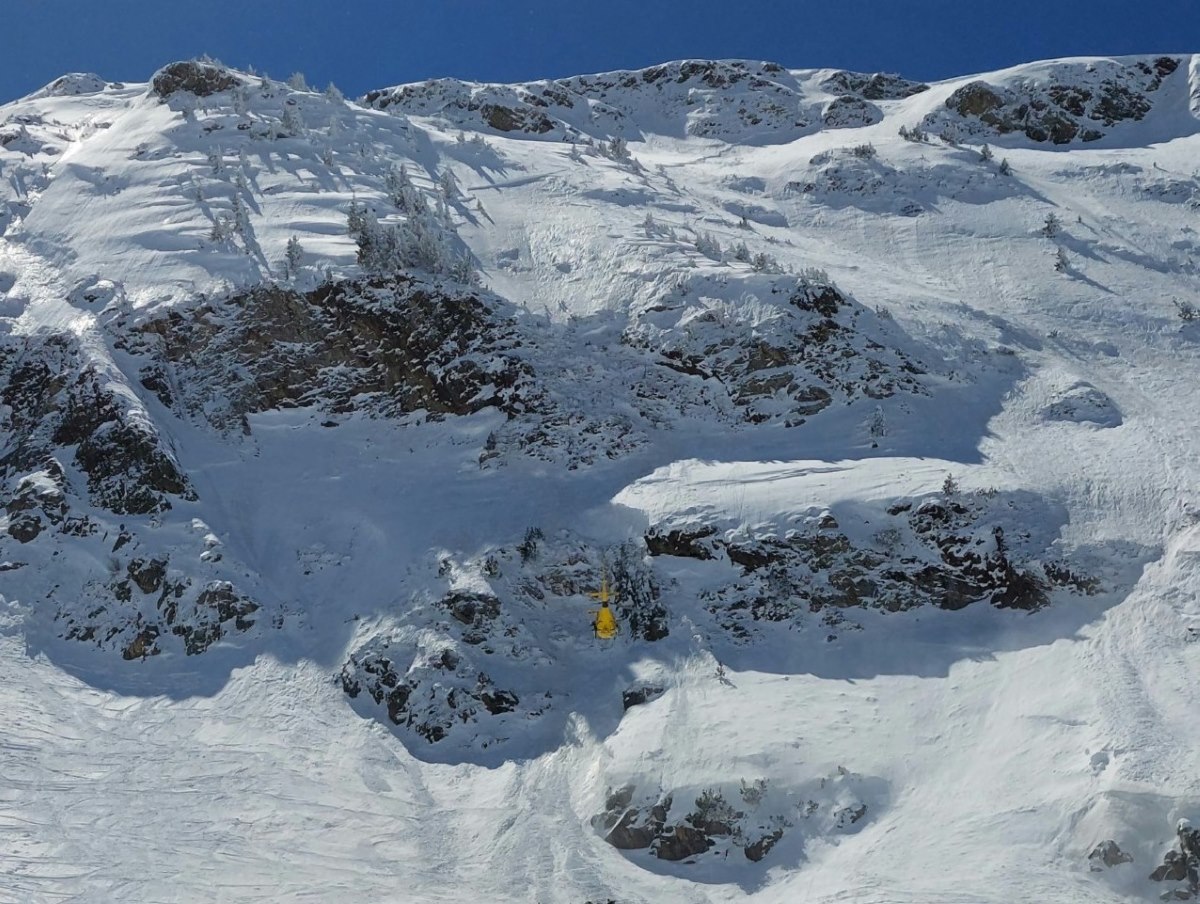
[1063, 103]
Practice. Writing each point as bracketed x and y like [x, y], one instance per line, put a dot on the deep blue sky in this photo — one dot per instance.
[363, 45]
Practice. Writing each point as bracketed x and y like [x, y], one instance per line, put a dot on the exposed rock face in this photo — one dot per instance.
[432, 695]
[1072, 103]
[58, 400]
[1108, 854]
[850, 112]
[139, 608]
[749, 819]
[785, 357]
[946, 551]
[194, 77]
[681, 542]
[1182, 865]
[879, 86]
[486, 668]
[80, 451]
[386, 346]
[643, 693]
[717, 99]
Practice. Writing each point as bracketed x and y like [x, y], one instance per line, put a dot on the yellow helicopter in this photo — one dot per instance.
[604, 623]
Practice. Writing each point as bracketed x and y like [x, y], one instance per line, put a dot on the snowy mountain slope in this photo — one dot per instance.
[321, 419]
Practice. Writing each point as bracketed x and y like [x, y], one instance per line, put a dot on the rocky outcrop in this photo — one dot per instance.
[876, 86]
[433, 694]
[1106, 855]
[479, 665]
[84, 474]
[1072, 102]
[684, 542]
[1181, 865]
[948, 551]
[386, 346]
[640, 694]
[850, 112]
[193, 76]
[785, 356]
[749, 818]
[728, 100]
[59, 403]
[146, 603]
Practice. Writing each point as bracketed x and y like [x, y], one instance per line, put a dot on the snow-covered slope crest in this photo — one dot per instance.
[728, 100]
[324, 425]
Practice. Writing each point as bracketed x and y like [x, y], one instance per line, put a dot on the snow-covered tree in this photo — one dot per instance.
[708, 245]
[295, 254]
[617, 149]
[297, 82]
[1005, 167]
[1061, 261]
[876, 426]
[332, 93]
[985, 152]
[241, 219]
[241, 100]
[292, 123]
[1051, 226]
[401, 191]
[356, 219]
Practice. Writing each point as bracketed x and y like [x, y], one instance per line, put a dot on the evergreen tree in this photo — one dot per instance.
[292, 123]
[295, 254]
